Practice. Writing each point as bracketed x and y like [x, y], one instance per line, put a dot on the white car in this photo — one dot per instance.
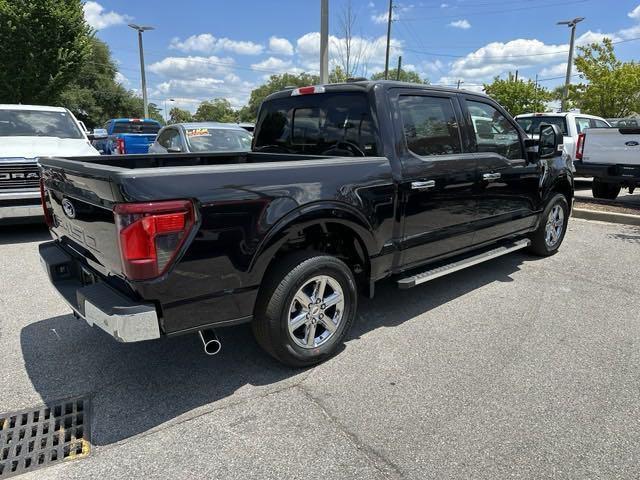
[571, 124]
[26, 133]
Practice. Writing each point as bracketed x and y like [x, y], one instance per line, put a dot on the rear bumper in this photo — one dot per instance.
[613, 173]
[20, 204]
[96, 302]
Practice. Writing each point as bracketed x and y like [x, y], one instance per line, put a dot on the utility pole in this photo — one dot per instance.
[324, 41]
[399, 68]
[516, 76]
[386, 60]
[459, 82]
[140, 29]
[565, 93]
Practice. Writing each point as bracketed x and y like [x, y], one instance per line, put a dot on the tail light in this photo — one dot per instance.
[150, 235]
[580, 146]
[43, 200]
[120, 146]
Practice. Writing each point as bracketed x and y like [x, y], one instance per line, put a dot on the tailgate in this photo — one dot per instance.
[82, 209]
[612, 146]
[138, 142]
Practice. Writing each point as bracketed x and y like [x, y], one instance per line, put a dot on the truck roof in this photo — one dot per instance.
[127, 120]
[558, 114]
[40, 108]
[367, 85]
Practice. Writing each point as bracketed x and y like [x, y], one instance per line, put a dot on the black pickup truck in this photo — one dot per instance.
[346, 185]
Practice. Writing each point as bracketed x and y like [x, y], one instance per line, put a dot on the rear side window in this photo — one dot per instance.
[582, 124]
[318, 124]
[429, 125]
[136, 127]
[600, 124]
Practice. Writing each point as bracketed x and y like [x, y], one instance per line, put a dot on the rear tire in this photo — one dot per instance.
[298, 299]
[546, 240]
[604, 190]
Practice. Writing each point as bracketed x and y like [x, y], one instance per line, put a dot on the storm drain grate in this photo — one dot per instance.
[35, 438]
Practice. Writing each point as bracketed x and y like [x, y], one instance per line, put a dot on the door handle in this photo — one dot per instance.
[426, 185]
[489, 177]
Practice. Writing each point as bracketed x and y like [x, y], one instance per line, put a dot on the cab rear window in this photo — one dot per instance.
[136, 127]
[320, 124]
[531, 125]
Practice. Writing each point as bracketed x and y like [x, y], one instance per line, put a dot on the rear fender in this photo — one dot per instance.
[289, 227]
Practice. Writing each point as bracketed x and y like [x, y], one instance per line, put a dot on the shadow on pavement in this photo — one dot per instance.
[23, 233]
[136, 387]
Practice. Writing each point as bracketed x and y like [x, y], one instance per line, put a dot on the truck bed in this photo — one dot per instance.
[237, 198]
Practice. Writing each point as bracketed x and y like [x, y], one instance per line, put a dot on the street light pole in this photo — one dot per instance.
[386, 59]
[140, 29]
[324, 41]
[166, 117]
[565, 93]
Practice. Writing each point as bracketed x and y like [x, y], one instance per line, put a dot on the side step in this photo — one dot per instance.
[434, 273]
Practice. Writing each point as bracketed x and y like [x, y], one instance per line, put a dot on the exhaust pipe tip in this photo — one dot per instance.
[210, 341]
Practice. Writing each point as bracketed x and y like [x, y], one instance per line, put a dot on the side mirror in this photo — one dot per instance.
[551, 141]
[174, 150]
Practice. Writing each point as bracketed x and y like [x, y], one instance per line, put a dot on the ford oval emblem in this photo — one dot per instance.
[68, 208]
[632, 143]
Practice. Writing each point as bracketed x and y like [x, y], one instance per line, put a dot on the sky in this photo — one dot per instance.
[200, 50]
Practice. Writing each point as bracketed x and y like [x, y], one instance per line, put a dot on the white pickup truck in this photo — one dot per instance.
[26, 133]
[612, 157]
[572, 124]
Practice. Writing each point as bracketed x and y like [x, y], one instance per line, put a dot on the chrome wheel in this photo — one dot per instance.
[555, 226]
[316, 312]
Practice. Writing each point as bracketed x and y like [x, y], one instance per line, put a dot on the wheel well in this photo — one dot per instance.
[564, 187]
[334, 239]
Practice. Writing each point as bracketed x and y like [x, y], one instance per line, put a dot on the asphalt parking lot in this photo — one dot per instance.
[516, 368]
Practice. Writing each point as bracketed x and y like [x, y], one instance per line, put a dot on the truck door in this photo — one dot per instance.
[438, 176]
[508, 191]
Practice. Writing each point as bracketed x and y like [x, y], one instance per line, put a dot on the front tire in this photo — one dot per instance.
[604, 190]
[305, 308]
[546, 240]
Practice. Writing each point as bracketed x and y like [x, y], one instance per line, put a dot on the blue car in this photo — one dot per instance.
[128, 136]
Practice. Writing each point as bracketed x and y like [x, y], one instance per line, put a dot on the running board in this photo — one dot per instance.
[437, 272]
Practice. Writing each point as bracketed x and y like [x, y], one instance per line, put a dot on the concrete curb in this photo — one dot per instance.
[610, 217]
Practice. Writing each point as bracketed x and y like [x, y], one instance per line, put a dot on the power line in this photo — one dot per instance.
[505, 57]
[493, 12]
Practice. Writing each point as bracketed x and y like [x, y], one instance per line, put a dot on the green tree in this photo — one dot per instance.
[216, 110]
[405, 76]
[612, 87]
[178, 115]
[518, 96]
[44, 44]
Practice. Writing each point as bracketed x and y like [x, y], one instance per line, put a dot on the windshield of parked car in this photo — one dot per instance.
[136, 127]
[35, 123]
[319, 124]
[531, 125]
[218, 140]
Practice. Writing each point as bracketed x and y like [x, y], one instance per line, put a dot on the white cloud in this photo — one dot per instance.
[635, 13]
[554, 70]
[444, 5]
[272, 64]
[189, 67]
[207, 43]
[121, 79]
[280, 46]
[373, 51]
[463, 24]
[98, 18]
[397, 13]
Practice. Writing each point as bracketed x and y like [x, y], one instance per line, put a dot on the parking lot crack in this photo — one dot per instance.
[386, 467]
